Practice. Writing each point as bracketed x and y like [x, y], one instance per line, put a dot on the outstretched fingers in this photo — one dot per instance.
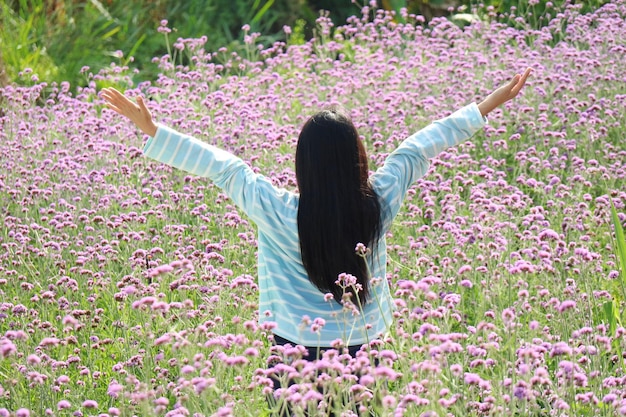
[514, 81]
[137, 112]
[142, 104]
[118, 102]
[505, 93]
[111, 95]
[521, 80]
[113, 107]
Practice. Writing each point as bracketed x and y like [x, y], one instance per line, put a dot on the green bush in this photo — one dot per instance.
[57, 39]
[22, 44]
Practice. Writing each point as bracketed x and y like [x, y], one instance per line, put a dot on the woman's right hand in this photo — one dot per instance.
[503, 94]
[137, 113]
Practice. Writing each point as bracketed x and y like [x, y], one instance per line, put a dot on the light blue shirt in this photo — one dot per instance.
[286, 295]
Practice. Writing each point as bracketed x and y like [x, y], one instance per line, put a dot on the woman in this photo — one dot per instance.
[322, 252]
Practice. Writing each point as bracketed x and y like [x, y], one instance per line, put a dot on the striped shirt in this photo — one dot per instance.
[286, 296]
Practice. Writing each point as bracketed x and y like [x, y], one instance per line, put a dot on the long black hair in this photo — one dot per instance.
[338, 207]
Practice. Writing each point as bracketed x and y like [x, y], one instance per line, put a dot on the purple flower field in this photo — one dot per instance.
[128, 288]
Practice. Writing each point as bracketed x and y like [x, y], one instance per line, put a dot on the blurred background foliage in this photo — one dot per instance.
[57, 39]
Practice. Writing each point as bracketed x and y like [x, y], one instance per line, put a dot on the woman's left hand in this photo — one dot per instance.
[505, 93]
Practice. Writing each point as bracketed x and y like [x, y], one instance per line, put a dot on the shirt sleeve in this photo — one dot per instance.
[410, 161]
[251, 192]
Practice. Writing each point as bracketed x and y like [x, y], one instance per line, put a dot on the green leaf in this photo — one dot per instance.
[257, 17]
[110, 33]
[620, 243]
[137, 44]
[611, 314]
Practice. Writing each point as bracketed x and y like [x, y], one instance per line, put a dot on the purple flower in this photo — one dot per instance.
[49, 341]
[187, 369]
[566, 305]
[466, 283]
[90, 404]
[7, 348]
[162, 401]
[456, 369]
[508, 315]
[63, 404]
[389, 401]
[472, 379]
[385, 372]
[560, 348]
[114, 389]
[33, 360]
[521, 391]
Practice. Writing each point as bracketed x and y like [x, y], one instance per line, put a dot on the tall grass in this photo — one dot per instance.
[614, 309]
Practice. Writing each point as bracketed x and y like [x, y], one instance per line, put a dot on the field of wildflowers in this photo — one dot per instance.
[128, 288]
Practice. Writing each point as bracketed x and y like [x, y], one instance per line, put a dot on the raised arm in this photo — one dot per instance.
[184, 152]
[252, 192]
[411, 159]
